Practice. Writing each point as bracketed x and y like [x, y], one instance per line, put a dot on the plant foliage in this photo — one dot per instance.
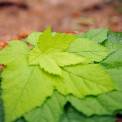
[62, 77]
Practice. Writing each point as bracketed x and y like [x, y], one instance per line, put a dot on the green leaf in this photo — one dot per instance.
[88, 49]
[50, 106]
[98, 35]
[45, 62]
[28, 84]
[53, 110]
[75, 81]
[116, 76]
[33, 38]
[74, 116]
[23, 80]
[50, 53]
[114, 43]
[20, 120]
[107, 103]
[1, 110]
[15, 50]
[22, 83]
[51, 62]
[114, 40]
[114, 59]
[66, 59]
[50, 111]
[1, 104]
[49, 41]
[80, 80]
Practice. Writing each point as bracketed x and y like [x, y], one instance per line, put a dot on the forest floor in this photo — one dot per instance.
[24, 16]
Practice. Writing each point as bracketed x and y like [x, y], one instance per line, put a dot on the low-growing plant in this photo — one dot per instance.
[59, 77]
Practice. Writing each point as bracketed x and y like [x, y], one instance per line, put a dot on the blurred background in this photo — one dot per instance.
[20, 17]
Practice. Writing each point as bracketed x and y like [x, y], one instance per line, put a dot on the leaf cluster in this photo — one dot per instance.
[62, 77]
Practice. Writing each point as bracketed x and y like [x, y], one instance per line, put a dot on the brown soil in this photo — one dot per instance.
[25, 16]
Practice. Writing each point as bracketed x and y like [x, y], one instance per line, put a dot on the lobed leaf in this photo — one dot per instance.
[33, 38]
[71, 115]
[49, 42]
[80, 80]
[97, 35]
[107, 103]
[50, 111]
[23, 80]
[52, 62]
[89, 49]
